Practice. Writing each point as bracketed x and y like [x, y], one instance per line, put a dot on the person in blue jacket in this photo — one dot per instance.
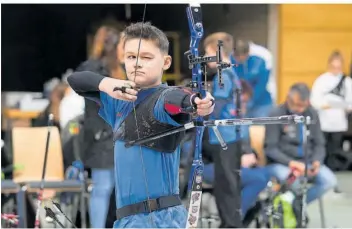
[254, 179]
[253, 63]
[146, 175]
[226, 162]
[234, 194]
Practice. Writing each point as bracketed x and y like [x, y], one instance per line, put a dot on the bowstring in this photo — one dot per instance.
[135, 117]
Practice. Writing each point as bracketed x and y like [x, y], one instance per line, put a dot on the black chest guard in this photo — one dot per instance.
[148, 125]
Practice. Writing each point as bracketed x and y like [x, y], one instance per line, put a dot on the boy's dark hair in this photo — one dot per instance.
[147, 31]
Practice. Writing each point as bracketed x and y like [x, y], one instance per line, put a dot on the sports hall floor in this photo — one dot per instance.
[338, 207]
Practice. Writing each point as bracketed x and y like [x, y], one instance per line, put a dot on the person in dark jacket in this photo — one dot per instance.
[284, 144]
[98, 154]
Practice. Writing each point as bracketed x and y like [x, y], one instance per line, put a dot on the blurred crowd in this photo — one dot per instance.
[328, 102]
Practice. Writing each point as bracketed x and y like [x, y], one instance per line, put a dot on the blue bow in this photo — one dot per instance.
[194, 16]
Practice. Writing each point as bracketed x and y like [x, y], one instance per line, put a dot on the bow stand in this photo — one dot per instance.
[41, 189]
[304, 181]
[239, 151]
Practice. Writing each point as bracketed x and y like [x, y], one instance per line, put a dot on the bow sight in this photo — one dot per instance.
[203, 60]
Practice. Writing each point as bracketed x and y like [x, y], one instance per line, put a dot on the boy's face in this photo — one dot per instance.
[151, 62]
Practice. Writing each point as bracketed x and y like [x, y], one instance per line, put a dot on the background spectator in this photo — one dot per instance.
[98, 148]
[332, 97]
[284, 145]
[253, 64]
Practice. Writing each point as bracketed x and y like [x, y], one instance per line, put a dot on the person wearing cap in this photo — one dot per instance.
[253, 63]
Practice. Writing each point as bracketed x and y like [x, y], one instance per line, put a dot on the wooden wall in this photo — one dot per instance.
[308, 33]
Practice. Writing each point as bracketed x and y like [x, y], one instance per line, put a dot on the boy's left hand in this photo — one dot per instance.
[205, 106]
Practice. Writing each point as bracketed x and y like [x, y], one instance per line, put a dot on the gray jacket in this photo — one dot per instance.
[283, 143]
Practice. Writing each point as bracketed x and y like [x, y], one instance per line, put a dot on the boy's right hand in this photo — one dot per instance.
[108, 85]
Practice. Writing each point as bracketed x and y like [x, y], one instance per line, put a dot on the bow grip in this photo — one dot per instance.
[198, 95]
[193, 98]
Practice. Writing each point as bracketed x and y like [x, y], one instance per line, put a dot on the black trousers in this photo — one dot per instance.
[227, 185]
[333, 147]
[111, 216]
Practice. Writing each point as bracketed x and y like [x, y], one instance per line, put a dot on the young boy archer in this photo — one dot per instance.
[146, 176]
